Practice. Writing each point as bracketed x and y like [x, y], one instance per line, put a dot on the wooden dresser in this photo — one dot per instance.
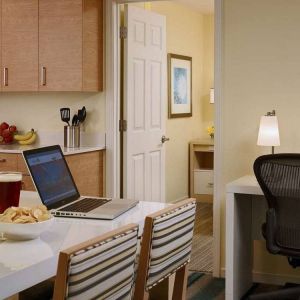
[201, 170]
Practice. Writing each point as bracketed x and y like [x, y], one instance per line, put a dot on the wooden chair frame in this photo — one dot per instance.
[60, 286]
[140, 293]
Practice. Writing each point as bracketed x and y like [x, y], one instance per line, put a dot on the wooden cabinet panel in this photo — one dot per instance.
[1, 46]
[22, 165]
[201, 164]
[27, 183]
[19, 45]
[92, 45]
[87, 171]
[60, 45]
[8, 162]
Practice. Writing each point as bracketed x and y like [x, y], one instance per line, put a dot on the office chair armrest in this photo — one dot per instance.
[271, 229]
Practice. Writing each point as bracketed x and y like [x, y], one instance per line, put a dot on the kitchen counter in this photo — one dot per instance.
[18, 149]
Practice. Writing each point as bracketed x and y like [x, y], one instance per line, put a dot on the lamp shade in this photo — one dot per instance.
[212, 96]
[268, 134]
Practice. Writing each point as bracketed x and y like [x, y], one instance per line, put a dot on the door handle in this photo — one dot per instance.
[164, 139]
[43, 76]
[5, 76]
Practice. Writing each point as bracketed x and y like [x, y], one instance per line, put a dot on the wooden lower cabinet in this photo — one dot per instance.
[8, 162]
[87, 170]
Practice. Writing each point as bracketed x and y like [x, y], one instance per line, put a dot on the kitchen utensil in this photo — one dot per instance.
[75, 120]
[65, 115]
[81, 114]
[72, 136]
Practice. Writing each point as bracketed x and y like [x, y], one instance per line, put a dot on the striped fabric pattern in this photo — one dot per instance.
[104, 270]
[171, 242]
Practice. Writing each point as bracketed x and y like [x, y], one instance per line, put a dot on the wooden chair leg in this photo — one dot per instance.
[146, 295]
[141, 295]
[164, 290]
[180, 286]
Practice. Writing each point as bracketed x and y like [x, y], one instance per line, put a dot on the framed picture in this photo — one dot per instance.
[180, 85]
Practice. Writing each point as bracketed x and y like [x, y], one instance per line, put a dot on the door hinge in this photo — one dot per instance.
[122, 125]
[123, 32]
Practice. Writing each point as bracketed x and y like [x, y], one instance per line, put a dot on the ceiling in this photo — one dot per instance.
[203, 6]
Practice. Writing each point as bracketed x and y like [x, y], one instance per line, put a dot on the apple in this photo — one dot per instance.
[1, 138]
[4, 125]
[12, 128]
[8, 139]
[6, 133]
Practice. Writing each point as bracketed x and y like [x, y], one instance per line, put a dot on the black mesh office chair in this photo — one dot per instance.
[279, 178]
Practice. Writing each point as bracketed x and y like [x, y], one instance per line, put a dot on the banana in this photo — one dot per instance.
[29, 141]
[24, 137]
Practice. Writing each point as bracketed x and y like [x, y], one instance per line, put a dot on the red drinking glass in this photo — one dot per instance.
[10, 186]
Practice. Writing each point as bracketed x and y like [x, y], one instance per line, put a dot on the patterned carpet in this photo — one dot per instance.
[205, 287]
[202, 251]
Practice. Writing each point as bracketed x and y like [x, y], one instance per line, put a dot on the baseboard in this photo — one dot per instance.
[269, 278]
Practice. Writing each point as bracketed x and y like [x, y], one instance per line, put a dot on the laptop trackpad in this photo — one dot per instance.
[114, 206]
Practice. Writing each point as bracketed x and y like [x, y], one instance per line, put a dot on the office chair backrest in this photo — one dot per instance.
[101, 268]
[279, 178]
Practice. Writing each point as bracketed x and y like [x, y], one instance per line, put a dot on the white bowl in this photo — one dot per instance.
[27, 231]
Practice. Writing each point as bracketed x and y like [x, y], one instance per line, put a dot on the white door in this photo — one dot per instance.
[145, 87]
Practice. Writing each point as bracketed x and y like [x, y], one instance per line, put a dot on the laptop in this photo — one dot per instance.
[58, 192]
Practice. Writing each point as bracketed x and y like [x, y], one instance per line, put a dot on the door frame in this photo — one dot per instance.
[113, 115]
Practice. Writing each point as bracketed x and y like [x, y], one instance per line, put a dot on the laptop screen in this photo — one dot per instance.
[51, 176]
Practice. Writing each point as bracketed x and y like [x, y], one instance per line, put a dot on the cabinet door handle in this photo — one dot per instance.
[210, 184]
[5, 76]
[43, 76]
[2, 160]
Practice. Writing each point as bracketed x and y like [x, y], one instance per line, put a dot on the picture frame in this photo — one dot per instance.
[179, 86]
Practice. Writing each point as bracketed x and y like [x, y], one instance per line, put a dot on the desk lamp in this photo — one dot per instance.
[268, 134]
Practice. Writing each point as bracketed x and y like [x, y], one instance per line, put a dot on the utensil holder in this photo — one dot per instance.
[72, 136]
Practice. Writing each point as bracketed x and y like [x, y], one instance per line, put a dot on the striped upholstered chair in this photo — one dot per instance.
[165, 249]
[102, 268]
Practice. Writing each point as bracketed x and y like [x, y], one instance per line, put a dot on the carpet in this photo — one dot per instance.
[202, 254]
[202, 248]
[205, 287]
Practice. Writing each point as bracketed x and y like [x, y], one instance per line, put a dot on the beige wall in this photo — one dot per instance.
[261, 72]
[188, 33]
[41, 110]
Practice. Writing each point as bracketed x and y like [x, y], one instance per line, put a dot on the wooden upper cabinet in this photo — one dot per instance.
[51, 45]
[19, 45]
[60, 45]
[92, 45]
[0, 45]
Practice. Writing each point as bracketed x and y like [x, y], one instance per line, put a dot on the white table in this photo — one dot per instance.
[245, 213]
[26, 263]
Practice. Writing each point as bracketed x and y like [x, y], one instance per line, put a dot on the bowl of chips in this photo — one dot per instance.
[25, 223]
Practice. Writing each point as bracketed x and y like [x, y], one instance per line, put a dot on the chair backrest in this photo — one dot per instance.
[101, 268]
[166, 244]
[279, 178]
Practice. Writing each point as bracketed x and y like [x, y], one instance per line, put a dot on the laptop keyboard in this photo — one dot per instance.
[85, 205]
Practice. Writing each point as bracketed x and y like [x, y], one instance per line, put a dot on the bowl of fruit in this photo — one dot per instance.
[7, 133]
